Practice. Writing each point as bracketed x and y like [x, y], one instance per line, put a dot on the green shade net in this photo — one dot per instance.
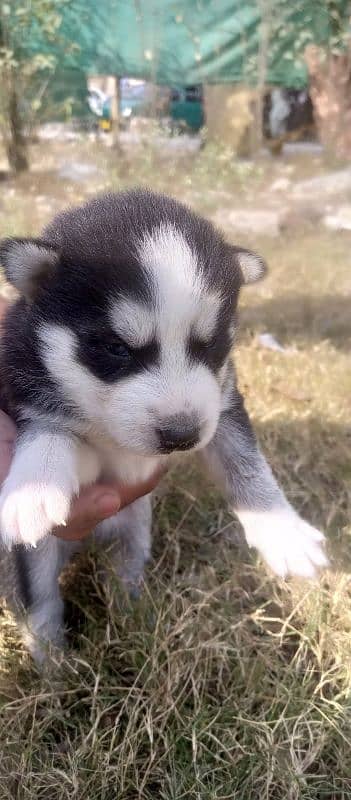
[196, 41]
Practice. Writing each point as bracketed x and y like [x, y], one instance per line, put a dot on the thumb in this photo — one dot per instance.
[101, 501]
[93, 505]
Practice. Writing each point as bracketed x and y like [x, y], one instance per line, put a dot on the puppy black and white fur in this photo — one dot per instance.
[117, 355]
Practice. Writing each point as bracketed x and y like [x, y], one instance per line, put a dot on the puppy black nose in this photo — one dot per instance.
[179, 435]
[171, 439]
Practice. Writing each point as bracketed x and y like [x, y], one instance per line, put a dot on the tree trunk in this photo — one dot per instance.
[113, 90]
[330, 90]
[262, 68]
[116, 120]
[229, 116]
[16, 145]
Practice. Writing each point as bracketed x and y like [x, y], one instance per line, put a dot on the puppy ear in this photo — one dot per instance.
[253, 268]
[28, 263]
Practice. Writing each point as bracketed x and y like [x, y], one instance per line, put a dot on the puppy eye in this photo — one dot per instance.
[117, 349]
[201, 346]
[113, 347]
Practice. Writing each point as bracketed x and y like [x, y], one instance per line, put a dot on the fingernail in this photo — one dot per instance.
[108, 504]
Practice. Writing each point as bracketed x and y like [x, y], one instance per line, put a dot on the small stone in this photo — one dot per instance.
[280, 185]
[248, 221]
[77, 171]
[324, 185]
[300, 216]
[339, 219]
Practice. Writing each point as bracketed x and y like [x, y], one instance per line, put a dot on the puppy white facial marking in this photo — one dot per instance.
[134, 322]
[205, 320]
[182, 298]
[166, 254]
[59, 346]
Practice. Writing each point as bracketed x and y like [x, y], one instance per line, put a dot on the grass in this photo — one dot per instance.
[222, 682]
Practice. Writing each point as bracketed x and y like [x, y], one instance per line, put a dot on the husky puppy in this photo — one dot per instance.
[117, 355]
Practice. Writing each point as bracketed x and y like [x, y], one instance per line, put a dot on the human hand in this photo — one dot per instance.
[94, 504]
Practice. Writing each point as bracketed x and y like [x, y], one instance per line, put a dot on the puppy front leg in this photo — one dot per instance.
[288, 543]
[47, 470]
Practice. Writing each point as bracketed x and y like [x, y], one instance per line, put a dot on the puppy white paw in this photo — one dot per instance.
[289, 545]
[29, 512]
[38, 490]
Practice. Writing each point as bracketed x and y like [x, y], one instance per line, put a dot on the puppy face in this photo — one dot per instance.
[131, 304]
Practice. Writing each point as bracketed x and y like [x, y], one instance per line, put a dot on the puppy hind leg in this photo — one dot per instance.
[129, 535]
[39, 570]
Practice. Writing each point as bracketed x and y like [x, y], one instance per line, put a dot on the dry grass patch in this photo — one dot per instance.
[222, 682]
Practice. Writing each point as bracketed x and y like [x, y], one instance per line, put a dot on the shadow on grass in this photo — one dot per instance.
[292, 315]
